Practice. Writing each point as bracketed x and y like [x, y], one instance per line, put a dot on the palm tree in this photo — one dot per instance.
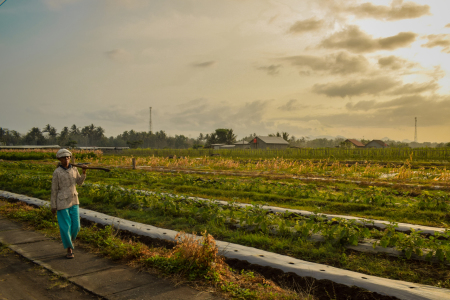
[35, 136]
[47, 128]
[63, 136]
[99, 132]
[230, 137]
[93, 134]
[98, 135]
[87, 132]
[74, 130]
[52, 133]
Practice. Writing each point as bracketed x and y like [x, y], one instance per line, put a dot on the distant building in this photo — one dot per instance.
[351, 143]
[242, 145]
[216, 146]
[376, 144]
[269, 142]
[227, 147]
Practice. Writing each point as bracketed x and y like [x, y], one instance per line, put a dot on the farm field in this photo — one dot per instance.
[391, 192]
[387, 154]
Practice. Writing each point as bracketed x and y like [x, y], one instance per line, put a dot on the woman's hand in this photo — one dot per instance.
[84, 171]
[54, 211]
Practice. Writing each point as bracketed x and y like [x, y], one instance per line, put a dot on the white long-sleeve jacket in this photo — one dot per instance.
[64, 192]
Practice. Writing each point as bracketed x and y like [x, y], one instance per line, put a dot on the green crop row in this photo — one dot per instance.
[36, 181]
[426, 207]
[290, 191]
[386, 154]
[337, 231]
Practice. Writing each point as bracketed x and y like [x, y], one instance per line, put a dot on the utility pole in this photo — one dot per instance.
[150, 122]
[415, 133]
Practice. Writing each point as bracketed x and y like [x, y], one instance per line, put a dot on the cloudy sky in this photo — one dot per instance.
[311, 68]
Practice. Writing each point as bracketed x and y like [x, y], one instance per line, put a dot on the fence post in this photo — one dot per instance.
[134, 163]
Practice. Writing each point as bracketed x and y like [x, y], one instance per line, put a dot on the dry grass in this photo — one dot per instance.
[283, 166]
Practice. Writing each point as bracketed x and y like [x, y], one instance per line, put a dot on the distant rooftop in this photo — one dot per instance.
[356, 142]
[382, 143]
[273, 140]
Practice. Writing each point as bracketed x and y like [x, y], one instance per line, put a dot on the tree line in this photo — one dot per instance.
[91, 135]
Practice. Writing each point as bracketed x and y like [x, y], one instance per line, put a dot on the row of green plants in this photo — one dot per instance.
[337, 231]
[340, 231]
[330, 252]
[427, 207]
[386, 154]
[372, 195]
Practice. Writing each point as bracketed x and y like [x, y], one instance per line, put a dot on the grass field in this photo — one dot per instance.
[391, 192]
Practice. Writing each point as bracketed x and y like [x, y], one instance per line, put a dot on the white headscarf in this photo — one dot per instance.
[63, 153]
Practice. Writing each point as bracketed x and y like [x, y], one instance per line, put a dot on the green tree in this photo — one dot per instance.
[74, 130]
[71, 144]
[93, 134]
[134, 144]
[221, 136]
[230, 137]
[52, 133]
[35, 137]
[63, 137]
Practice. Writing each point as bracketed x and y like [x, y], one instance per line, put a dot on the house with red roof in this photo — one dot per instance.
[352, 143]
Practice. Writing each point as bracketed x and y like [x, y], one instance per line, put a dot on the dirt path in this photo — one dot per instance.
[22, 279]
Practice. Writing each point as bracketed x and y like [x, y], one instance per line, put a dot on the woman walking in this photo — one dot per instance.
[64, 199]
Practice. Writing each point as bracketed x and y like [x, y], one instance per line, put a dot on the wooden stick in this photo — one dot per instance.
[92, 168]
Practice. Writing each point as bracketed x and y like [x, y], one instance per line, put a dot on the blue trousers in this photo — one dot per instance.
[69, 225]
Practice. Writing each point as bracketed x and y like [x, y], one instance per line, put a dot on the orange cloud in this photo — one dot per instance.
[355, 40]
[306, 25]
[337, 63]
[438, 40]
[397, 11]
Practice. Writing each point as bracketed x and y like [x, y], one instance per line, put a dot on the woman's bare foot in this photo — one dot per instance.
[69, 254]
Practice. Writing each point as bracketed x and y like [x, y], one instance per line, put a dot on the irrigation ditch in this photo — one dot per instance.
[322, 281]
